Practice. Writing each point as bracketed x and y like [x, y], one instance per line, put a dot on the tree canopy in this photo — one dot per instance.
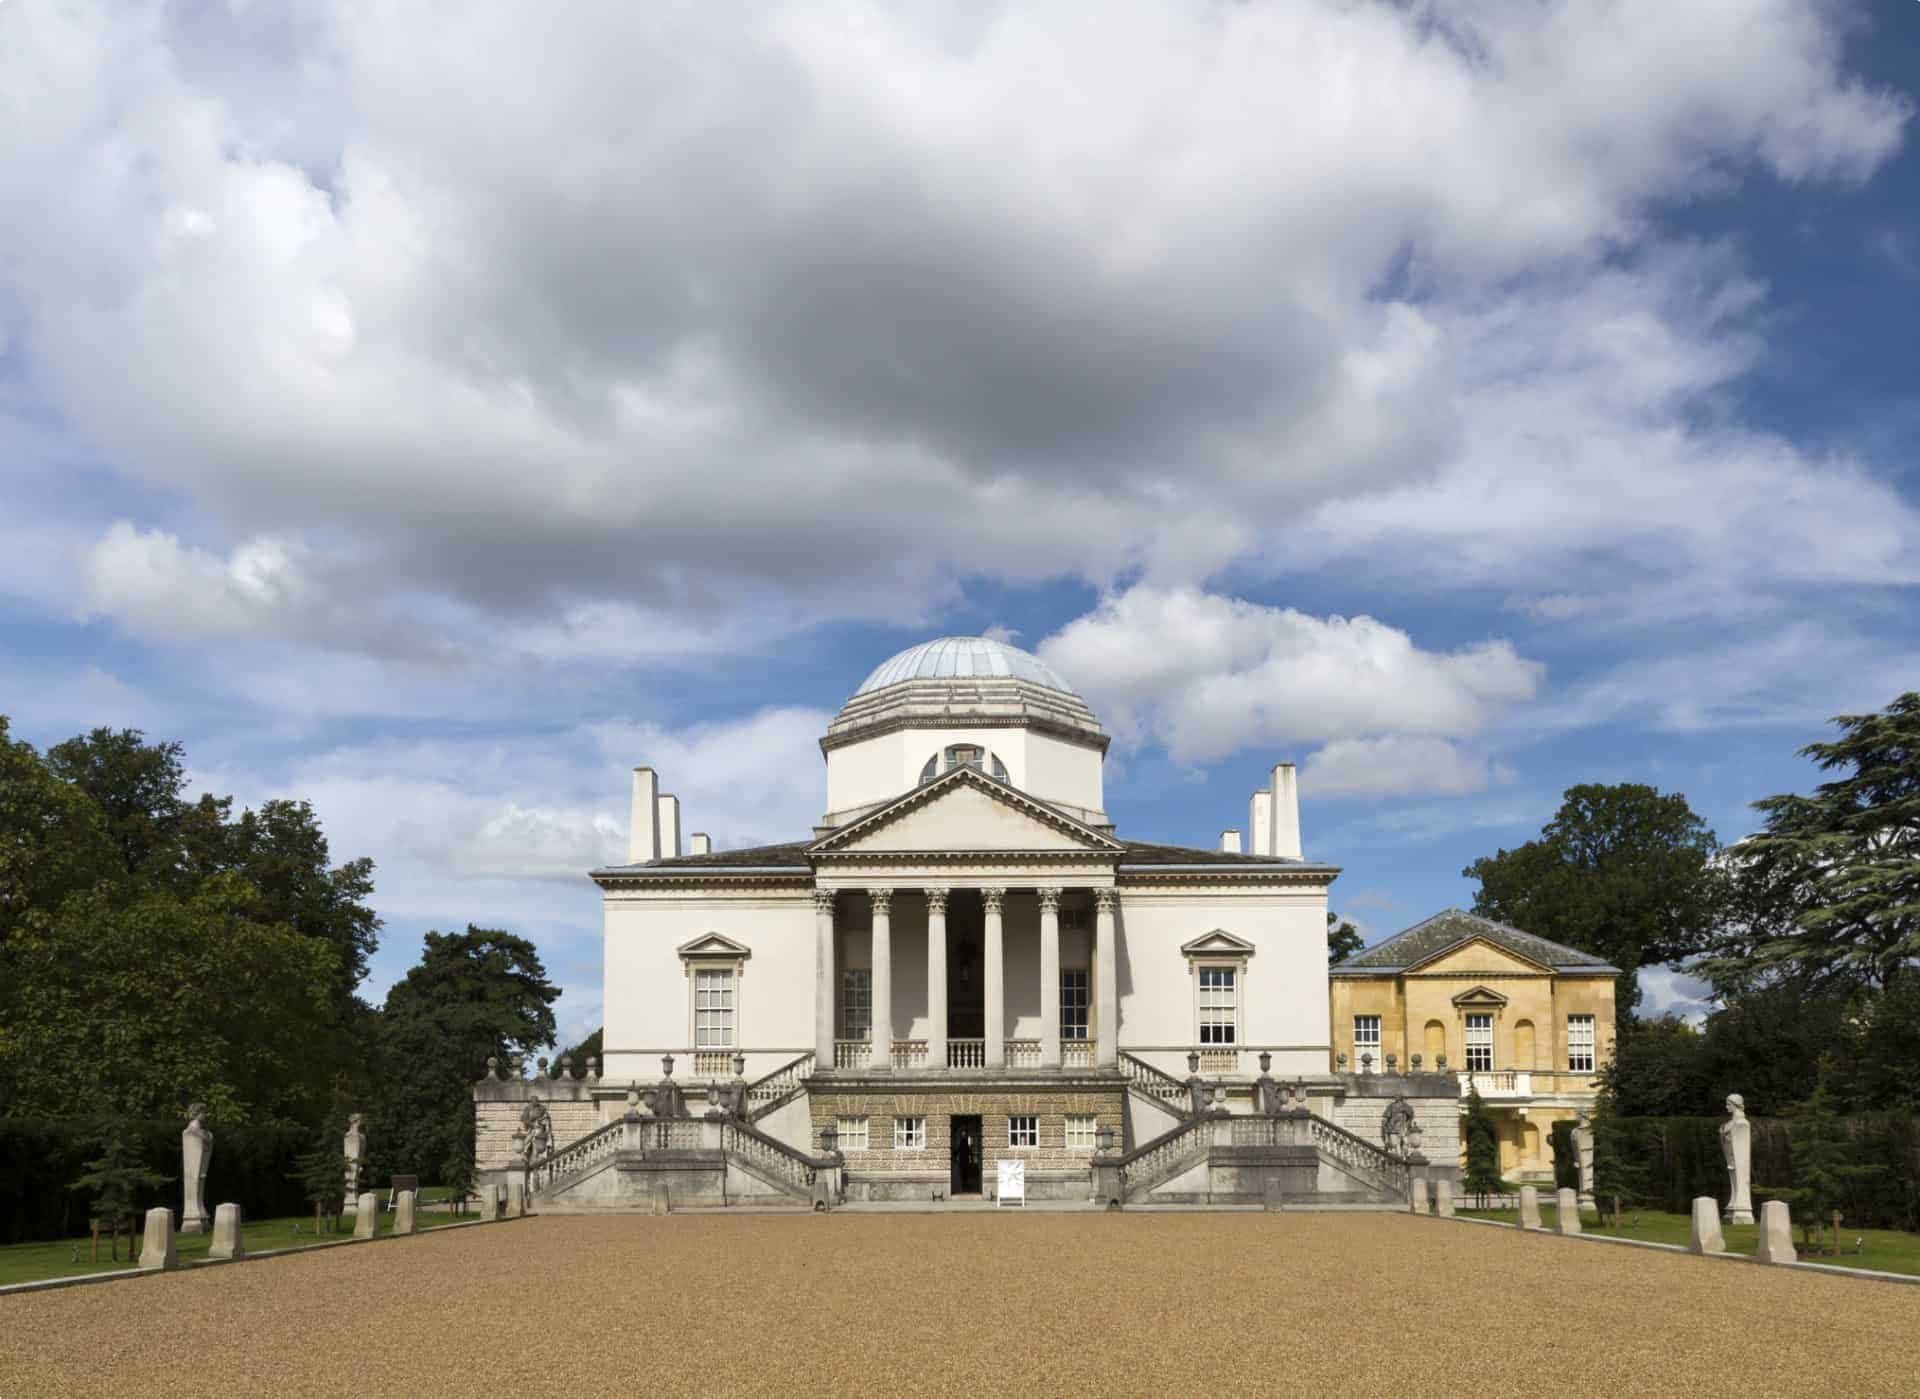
[1343, 939]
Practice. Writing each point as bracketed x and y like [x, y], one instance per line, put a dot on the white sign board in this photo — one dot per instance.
[1013, 1182]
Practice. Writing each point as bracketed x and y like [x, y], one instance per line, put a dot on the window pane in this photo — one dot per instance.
[1073, 1005]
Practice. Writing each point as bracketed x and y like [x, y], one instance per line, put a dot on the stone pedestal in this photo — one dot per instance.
[1776, 1233]
[366, 1215]
[226, 1233]
[1705, 1235]
[196, 1154]
[516, 1201]
[403, 1213]
[1417, 1201]
[1443, 1198]
[156, 1249]
[498, 1202]
[1566, 1214]
[1529, 1207]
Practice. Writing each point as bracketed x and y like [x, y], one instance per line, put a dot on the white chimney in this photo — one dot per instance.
[669, 828]
[1286, 812]
[1260, 824]
[643, 834]
[698, 844]
[1230, 841]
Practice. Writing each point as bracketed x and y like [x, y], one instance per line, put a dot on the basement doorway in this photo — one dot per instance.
[964, 1148]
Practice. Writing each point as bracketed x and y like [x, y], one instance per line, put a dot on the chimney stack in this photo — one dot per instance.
[670, 827]
[1286, 813]
[698, 844]
[1230, 841]
[1260, 823]
[643, 832]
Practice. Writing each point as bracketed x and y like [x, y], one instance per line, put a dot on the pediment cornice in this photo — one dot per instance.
[1090, 841]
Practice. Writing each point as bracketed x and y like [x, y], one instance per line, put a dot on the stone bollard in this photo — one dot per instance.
[1776, 1233]
[366, 1215]
[1566, 1215]
[1529, 1207]
[1705, 1236]
[1417, 1201]
[403, 1213]
[226, 1233]
[156, 1250]
[1443, 1198]
[516, 1201]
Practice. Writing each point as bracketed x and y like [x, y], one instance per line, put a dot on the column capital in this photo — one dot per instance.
[823, 900]
[1049, 899]
[1106, 900]
[937, 899]
[882, 900]
[994, 899]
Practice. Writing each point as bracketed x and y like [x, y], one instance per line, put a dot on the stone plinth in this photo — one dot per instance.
[1417, 1201]
[1566, 1214]
[1443, 1198]
[226, 1233]
[498, 1201]
[366, 1215]
[403, 1213]
[1776, 1233]
[1529, 1207]
[1705, 1235]
[156, 1249]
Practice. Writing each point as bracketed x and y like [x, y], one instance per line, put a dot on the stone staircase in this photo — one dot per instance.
[1295, 1158]
[1157, 1086]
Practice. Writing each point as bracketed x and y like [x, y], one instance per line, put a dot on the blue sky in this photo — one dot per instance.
[1465, 400]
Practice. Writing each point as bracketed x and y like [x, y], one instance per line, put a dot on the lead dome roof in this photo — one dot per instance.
[963, 658]
[964, 682]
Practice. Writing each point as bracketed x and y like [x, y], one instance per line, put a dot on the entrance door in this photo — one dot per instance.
[965, 1142]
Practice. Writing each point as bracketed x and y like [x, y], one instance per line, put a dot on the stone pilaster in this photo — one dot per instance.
[936, 978]
[996, 991]
[882, 1057]
[1106, 977]
[824, 982]
[1049, 978]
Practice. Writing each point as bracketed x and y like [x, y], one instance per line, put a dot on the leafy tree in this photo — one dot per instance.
[1884, 1045]
[1659, 1069]
[473, 994]
[322, 1177]
[281, 851]
[137, 788]
[1833, 880]
[457, 1172]
[1625, 872]
[118, 1182]
[1343, 939]
[1483, 1150]
[588, 1048]
[1616, 1175]
[53, 841]
[1824, 1168]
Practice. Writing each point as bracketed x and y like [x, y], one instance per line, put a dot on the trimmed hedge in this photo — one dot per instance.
[40, 1158]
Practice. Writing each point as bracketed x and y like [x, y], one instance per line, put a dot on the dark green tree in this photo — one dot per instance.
[120, 1185]
[1343, 939]
[1825, 1168]
[282, 853]
[588, 1048]
[322, 1176]
[457, 1171]
[1626, 872]
[53, 840]
[1766, 1046]
[1617, 1176]
[1833, 880]
[1659, 1069]
[1483, 1151]
[473, 994]
[137, 789]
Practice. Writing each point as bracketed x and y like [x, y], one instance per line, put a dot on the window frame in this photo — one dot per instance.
[1078, 1129]
[849, 978]
[1201, 1022]
[1483, 1048]
[727, 1012]
[1084, 1022]
[1030, 1130]
[905, 1129]
[1372, 1046]
[1592, 1038]
[846, 1128]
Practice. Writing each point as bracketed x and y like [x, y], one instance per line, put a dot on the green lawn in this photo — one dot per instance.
[33, 1262]
[1884, 1250]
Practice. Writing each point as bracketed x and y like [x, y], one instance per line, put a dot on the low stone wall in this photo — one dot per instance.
[577, 1106]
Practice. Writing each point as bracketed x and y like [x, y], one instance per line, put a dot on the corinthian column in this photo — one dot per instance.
[823, 980]
[936, 978]
[1049, 978]
[1106, 977]
[882, 978]
[993, 899]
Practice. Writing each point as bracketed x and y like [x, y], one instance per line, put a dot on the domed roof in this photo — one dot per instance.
[963, 657]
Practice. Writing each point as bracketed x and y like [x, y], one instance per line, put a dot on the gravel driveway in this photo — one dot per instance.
[1041, 1304]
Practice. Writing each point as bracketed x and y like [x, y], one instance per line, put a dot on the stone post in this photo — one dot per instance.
[1443, 1198]
[1106, 977]
[499, 1202]
[1529, 1207]
[882, 1055]
[368, 1215]
[996, 1007]
[1566, 1214]
[196, 1154]
[1776, 1233]
[1108, 1189]
[1049, 978]
[936, 978]
[226, 1233]
[156, 1249]
[825, 982]
[1705, 1235]
[1417, 1201]
[403, 1220]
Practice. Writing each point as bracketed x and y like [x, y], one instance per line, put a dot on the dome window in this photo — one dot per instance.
[963, 755]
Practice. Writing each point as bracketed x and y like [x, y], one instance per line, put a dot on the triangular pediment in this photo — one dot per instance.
[1475, 956]
[1480, 996]
[966, 810]
[714, 945]
[1219, 942]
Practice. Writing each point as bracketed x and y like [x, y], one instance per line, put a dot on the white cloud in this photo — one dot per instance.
[1394, 765]
[1206, 674]
[154, 583]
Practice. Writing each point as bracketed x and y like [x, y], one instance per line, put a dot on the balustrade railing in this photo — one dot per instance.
[1261, 1131]
[1156, 1083]
[575, 1156]
[1023, 1054]
[1497, 1081]
[707, 1062]
[909, 1054]
[772, 1156]
[1219, 1061]
[1147, 1164]
[1361, 1156]
[770, 1089]
[1076, 1054]
[966, 1054]
[852, 1054]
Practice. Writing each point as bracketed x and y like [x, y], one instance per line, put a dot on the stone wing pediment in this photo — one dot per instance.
[714, 945]
[1219, 942]
[1478, 956]
[965, 810]
[1480, 997]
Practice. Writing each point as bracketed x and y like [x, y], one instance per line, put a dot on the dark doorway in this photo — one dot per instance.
[964, 1136]
[966, 966]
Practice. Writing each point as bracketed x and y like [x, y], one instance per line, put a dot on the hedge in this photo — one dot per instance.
[40, 1158]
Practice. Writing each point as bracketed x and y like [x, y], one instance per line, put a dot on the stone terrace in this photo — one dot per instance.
[986, 1303]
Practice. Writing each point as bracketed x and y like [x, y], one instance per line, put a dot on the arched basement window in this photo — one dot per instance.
[970, 755]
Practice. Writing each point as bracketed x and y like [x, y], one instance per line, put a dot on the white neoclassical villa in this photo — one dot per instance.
[963, 962]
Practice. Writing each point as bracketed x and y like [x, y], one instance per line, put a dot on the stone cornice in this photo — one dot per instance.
[1043, 812]
[1147, 877]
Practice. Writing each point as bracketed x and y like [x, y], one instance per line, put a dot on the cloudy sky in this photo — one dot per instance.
[434, 410]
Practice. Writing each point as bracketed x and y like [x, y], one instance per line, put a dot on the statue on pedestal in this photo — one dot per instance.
[354, 1148]
[1736, 1145]
[1583, 1153]
[1396, 1126]
[196, 1152]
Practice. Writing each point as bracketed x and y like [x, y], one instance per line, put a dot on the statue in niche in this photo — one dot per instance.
[1736, 1145]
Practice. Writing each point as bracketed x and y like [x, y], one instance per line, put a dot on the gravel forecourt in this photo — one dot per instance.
[1042, 1304]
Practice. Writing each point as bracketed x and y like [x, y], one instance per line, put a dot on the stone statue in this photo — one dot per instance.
[355, 1150]
[1269, 1097]
[536, 1132]
[1736, 1145]
[1197, 1094]
[196, 1152]
[1396, 1125]
[1583, 1152]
